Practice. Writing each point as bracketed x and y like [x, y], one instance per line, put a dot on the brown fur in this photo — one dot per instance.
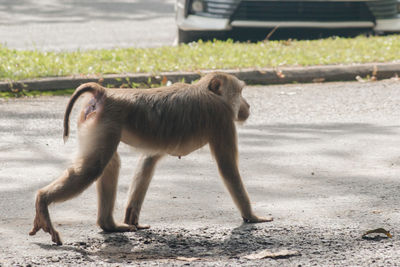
[173, 120]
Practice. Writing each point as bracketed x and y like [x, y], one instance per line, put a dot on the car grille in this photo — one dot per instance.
[302, 11]
[383, 8]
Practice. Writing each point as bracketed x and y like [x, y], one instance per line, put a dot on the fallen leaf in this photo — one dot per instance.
[275, 255]
[359, 79]
[187, 259]
[318, 80]
[375, 71]
[395, 78]
[288, 42]
[262, 71]
[164, 80]
[280, 74]
[287, 93]
[378, 231]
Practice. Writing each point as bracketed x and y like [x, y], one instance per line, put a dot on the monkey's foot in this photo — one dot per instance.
[142, 226]
[118, 227]
[41, 223]
[257, 219]
[131, 218]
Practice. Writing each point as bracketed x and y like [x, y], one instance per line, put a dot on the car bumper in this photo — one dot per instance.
[388, 25]
[200, 23]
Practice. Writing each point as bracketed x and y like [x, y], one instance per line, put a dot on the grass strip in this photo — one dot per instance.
[17, 64]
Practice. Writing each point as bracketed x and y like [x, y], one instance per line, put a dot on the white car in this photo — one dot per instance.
[196, 17]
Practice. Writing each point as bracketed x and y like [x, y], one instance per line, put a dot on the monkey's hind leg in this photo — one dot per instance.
[138, 189]
[107, 191]
[71, 183]
[86, 169]
[42, 219]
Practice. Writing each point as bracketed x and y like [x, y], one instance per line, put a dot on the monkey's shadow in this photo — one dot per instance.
[203, 243]
[159, 244]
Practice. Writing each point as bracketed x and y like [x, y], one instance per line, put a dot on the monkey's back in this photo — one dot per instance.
[175, 115]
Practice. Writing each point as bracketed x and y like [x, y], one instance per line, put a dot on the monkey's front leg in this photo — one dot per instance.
[139, 188]
[239, 194]
[226, 157]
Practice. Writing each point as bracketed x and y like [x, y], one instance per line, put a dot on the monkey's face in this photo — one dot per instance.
[244, 110]
[230, 89]
[239, 104]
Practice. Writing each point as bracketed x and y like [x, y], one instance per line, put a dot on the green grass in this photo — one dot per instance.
[17, 65]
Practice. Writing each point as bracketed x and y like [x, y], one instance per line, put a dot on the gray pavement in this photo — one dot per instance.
[86, 24]
[322, 159]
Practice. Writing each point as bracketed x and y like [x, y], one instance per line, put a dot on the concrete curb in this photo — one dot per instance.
[251, 76]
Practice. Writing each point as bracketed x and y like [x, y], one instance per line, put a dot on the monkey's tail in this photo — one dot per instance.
[94, 88]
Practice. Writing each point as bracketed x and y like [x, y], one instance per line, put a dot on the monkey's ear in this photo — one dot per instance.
[215, 85]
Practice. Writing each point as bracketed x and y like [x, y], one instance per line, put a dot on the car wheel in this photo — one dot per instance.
[187, 36]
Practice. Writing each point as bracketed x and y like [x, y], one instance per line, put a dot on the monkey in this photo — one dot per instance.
[174, 120]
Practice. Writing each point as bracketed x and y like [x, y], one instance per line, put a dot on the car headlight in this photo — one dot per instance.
[198, 6]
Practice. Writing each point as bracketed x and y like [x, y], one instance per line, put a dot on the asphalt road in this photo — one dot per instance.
[86, 24]
[322, 159]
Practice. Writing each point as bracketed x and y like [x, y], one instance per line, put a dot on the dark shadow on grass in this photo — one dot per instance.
[260, 34]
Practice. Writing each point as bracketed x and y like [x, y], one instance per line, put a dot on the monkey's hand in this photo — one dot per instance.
[131, 218]
[40, 222]
[257, 219]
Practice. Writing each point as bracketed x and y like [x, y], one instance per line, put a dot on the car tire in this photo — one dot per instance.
[187, 36]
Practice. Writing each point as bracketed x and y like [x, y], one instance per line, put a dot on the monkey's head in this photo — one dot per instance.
[230, 88]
